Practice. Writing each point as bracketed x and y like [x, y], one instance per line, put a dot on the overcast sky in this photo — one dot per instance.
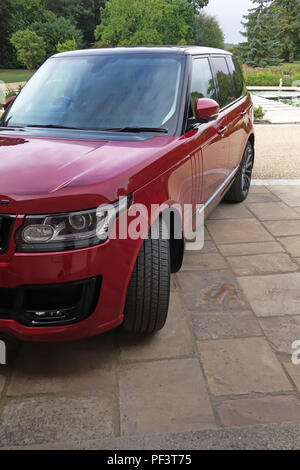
[229, 14]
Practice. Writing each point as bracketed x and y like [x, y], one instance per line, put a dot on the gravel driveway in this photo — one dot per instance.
[277, 152]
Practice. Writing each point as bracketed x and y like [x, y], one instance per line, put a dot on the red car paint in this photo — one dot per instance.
[8, 101]
[41, 175]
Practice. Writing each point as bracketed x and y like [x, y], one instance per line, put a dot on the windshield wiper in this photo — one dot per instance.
[52, 126]
[138, 129]
[116, 129]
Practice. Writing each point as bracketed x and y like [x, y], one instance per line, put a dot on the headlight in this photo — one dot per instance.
[71, 231]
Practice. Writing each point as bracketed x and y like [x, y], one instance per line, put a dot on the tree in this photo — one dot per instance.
[30, 48]
[79, 19]
[56, 29]
[66, 46]
[178, 22]
[18, 15]
[208, 31]
[235, 50]
[263, 46]
[7, 51]
[15, 15]
[287, 14]
[27, 11]
[85, 14]
[145, 22]
[198, 4]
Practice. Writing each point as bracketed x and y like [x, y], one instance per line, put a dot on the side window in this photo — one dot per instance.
[227, 93]
[237, 75]
[202, 85]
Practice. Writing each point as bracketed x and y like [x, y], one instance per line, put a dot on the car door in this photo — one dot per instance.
[233, 106]
[239, 114]
[209, 156]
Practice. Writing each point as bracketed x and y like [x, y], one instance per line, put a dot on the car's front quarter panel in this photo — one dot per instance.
[167, 179]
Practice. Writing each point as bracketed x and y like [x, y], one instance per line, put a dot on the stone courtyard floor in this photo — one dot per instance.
[219, 375]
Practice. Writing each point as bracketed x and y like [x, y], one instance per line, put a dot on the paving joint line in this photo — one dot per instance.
[210, 396]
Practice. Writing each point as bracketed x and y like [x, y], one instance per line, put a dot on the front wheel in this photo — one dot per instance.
[239, 189]
[148, 294]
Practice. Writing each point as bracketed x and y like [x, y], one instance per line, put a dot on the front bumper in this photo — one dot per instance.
[109, 264]
[50, 304]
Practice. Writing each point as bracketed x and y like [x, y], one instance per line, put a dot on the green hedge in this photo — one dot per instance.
[259, 113]
[296, 77]
[267, 79]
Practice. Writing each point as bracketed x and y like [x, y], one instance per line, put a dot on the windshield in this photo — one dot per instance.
[101, 92]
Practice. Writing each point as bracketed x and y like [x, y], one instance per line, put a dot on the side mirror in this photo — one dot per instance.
[7, 102]
[207, 110]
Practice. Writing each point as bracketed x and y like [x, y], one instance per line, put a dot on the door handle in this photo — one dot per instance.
[244, 113]
[222, 130]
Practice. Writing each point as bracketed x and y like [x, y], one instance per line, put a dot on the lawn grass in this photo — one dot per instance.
[15, 75]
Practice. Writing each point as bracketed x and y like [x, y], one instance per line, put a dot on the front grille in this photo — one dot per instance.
[6, 226]
[52, 304]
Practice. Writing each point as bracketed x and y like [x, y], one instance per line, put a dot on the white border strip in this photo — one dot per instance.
[276, 182]
[284, 124]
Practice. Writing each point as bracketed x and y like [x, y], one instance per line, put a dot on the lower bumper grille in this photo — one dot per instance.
[6, 226]
[50, 305]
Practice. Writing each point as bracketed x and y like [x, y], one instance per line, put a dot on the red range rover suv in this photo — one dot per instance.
[121, 128]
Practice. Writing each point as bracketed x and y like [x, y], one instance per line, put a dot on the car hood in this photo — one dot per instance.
[49, 175]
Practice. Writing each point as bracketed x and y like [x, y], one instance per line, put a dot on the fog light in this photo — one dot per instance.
[54, 313]
[40, 314]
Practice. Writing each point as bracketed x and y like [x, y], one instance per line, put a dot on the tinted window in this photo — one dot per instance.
[202, 85]
[101, 91]
[237, 76]
[227, 92]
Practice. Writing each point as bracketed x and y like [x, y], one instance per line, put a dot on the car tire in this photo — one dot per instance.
[240, 187]
[148, 294]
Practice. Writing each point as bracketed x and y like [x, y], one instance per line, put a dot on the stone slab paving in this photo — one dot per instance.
[293, 371]
[291, 244]
[287, 228]
[166, 395]
[242, 367]
[277, 112]
[280, 331]
[259, 410]
[262, 264]
[219, 375]
[2, 382]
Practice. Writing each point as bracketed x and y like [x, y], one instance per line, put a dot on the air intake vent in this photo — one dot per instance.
[6, 226]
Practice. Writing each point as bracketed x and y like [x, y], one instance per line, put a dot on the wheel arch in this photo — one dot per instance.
[252, 140]
[177, 245]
